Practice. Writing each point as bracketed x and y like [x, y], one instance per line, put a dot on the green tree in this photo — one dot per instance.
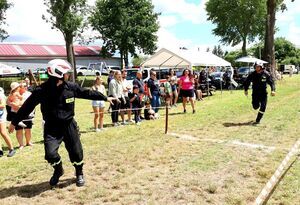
[68, 17]
[4, 5]
[218, 51]
[138, 60]
[237, 20]
[284, 49]
[126, 25]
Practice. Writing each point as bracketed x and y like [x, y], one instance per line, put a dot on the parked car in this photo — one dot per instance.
[93, 69]
[242, 74]
[9, 71]
[161, 73]
[216, 79]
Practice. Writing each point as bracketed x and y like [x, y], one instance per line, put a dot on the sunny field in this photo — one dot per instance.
[207, 158]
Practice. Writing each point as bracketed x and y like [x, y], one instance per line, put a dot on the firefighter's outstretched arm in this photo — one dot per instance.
[90, 94]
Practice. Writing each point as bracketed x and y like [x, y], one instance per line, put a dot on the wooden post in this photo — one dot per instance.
[167, 118]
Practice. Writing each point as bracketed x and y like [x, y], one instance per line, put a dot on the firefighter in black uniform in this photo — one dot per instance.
[57, 99]
[259, 78]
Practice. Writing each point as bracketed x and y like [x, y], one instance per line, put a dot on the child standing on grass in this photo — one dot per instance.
[136, 104]
[3, 131]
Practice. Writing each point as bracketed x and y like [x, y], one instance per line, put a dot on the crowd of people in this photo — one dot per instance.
[8, 108]
[144, 99]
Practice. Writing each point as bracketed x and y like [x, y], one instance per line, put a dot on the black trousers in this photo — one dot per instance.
[259, 101]
[137, 114]
[115, 111]
[67, 132]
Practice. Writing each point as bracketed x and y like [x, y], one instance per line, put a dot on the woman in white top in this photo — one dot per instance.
[3, 131]
[98, 105]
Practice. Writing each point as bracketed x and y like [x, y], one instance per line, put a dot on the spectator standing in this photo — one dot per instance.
[116, 90]
[173, 82]
[15, 100]
[136, 104]
[153, 91]
[138, 81]
[125, 105]
[110, 77]
[3, 131]
[186, 89]
[98, 105]
[168, 91]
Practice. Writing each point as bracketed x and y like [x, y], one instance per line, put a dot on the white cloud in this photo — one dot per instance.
[289, 18]
[25, 21]
[294, 34]
[186, 11]
[168, 40]
[167, 21]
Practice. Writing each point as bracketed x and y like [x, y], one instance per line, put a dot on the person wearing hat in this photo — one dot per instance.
[135, 104]
[3, 131]
[57, 99]
[259, 79]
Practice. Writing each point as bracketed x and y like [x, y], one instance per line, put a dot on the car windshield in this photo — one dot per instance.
[244, 70]
[131, 74]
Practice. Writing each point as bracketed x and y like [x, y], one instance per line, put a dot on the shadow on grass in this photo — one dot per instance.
[31, 190]
[232, 124]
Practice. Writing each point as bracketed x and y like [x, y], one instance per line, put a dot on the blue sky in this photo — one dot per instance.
[182, 23]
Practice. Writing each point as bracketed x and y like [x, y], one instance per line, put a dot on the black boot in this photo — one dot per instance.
[79, 176]
[58, 172]
[258, 118]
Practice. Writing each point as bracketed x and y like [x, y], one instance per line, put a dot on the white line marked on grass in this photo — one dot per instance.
[236, 143]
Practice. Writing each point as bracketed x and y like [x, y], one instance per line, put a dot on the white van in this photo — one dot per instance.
[288, 69]
[9, 71]
[161, 74]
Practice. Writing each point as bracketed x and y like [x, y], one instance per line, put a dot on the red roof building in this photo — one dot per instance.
[33, 55]
[31, 50]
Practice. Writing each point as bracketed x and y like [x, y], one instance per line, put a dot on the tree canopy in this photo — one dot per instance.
[237, 20]
[68, 17]
[126, 25]
[4, 5]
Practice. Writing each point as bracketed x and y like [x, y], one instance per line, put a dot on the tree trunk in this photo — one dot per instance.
[70, 54]
[244, 48]
[269, 49]
[126, 59]
[122, 57]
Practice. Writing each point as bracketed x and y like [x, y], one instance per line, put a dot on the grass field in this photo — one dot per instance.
[206, 158]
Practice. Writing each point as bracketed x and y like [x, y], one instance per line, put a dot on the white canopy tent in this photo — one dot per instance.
[166, 58]
[249, 59]
[184, 58]
[200, 58]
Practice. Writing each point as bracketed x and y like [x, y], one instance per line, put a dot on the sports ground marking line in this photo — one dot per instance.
[226, 142]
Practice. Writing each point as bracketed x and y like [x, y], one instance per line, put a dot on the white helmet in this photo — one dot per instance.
[58, 67]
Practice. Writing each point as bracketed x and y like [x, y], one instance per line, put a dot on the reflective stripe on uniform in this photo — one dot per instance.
[78, 163]
[55, 163]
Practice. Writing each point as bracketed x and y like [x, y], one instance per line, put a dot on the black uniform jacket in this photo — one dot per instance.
[259, 82]
[57, 102]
